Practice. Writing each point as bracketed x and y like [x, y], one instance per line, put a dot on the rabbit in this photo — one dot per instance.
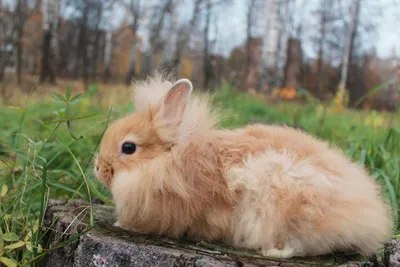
[274, 189]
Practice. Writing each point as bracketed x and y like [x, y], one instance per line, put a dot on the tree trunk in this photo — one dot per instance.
[83, 47]
[132, 65]
[49, 45]
[181, 43]
[19, 40]
[248, 41]
[1, 73]
[293, 64]
[107, 56]
[135, 9]
[346, 58]
[182, 40]
[94, 59]
[172, 33]
[206, 52]
[156, 42]
[47, 70]
[321, 43]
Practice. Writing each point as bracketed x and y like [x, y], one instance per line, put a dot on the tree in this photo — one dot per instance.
[155, 41]
[293, 64]
[253, 45]
[206, 51]
[321, 43]
[50, 26]
[87, 18]
[21, 15]
[328, 41]
[183, 38]
[249, 26]
[134, 11]
[107, 56]
[351, 33]
[7, 37]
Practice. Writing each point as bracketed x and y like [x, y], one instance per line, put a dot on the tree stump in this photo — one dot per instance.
[72, 242]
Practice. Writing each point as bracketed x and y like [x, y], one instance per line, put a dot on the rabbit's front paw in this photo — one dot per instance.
[117, 224]
[285, 253]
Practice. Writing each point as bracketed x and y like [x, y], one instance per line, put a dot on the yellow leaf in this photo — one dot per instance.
[17, 108]
[8, 262]
[4, 190]
[29, 247]
[28, 236]
[15, 245]
[36, 226]
[1, 246]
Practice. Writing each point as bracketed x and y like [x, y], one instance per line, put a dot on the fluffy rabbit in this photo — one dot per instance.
[271, 188]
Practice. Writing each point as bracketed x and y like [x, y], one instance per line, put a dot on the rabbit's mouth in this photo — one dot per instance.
[104, 172]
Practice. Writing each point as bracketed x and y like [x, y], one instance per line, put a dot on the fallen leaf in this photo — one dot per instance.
[8, 262]
[15, 245]
[29, 247]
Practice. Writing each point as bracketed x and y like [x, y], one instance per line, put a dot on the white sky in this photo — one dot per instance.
[386, 39]
[232, 24]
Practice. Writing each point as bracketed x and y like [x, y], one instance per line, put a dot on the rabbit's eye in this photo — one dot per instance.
[128, 148]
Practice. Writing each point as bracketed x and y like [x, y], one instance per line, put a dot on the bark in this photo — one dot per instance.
[321, 43]
[47, 70]
[20, 25]
[107, 56]
[83, 42]
[6, 57]
[135, 10]
[94, 59]
[248, 38]
[348, 50]
[293, 64]
[206, 52]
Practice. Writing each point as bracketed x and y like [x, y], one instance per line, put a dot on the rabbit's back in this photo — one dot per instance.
[293, 190]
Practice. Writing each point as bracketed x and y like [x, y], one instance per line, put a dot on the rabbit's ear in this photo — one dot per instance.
[175, 102]
[172, 110]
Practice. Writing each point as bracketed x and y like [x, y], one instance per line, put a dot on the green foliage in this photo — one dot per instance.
[40, 158]
[47, 150]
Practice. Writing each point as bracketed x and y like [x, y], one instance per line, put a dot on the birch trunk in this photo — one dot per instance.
[346, 58]
[107, 56]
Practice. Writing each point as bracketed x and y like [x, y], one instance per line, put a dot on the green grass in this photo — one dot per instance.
[41, 157]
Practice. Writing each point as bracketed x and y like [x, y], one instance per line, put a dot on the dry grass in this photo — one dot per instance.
[30, 91]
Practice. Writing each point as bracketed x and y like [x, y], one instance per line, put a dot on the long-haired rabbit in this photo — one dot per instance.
[275, 189]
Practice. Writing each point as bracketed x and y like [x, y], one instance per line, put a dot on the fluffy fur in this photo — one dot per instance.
[275, 189]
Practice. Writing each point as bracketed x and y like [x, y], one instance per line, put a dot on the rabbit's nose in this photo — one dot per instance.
[97, 167]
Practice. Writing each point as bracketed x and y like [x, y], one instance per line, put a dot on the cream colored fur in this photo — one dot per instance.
[270, 188]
